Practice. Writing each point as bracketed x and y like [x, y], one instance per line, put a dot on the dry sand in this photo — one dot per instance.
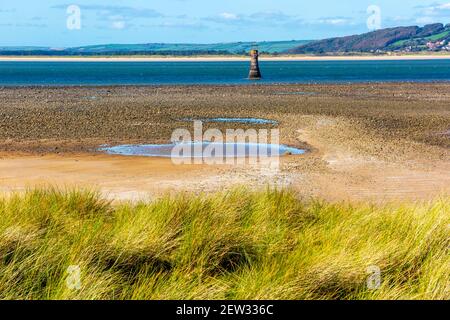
[376, 142]
[228, 58]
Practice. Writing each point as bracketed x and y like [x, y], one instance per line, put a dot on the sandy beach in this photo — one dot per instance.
[374, 142]
[226, 58]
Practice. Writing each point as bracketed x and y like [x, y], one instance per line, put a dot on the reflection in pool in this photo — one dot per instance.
[300, 93]
[203, 149]
[235, 120]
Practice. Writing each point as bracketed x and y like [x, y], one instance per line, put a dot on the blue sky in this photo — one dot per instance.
[44, 22]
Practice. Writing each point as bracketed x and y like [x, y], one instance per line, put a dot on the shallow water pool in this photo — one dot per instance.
[236, 120]
[299, 93]
[203, 150]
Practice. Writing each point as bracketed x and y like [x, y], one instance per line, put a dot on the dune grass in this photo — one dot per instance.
[233, 245]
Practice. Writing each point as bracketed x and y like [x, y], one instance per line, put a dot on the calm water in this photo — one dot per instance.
[200, 149]
[154, 73]
[234, 120]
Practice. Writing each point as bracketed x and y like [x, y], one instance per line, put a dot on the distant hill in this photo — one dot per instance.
[432, 37]
[181, 49]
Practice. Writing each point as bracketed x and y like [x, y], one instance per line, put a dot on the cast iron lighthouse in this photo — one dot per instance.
[254, 74]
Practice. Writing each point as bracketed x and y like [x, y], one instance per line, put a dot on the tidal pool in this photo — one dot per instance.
[236, 120]
[203, 150]
[300, 93]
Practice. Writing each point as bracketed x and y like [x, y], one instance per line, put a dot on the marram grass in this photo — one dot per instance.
[233, 245]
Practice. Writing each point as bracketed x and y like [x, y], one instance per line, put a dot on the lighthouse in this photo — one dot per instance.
[254, 74]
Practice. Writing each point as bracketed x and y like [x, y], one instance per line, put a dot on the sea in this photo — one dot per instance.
[51, 73]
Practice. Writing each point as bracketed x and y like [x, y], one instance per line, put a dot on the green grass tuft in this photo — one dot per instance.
[231, 245]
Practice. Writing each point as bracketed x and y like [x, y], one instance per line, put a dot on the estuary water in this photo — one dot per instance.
[27, 73]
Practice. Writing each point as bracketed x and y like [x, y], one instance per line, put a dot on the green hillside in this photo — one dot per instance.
[270, 47]
[433, 37]
[232, 48]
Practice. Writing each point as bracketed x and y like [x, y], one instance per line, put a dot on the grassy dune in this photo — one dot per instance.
[235, 245]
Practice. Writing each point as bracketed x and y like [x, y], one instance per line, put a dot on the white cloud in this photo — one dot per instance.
[228, 16]
[445, 6]
[119, 25]
[264, 18]
[334, 21]
[433, 13]
[425, 20]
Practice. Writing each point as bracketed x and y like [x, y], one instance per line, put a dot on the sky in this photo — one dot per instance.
[62, 23]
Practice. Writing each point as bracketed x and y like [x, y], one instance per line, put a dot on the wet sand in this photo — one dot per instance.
[375, 142]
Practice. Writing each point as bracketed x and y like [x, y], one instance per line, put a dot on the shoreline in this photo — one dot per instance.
[221, 58]
[361, 147]
[215, 85]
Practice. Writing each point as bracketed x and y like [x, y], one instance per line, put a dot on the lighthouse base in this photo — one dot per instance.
[254, 75]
